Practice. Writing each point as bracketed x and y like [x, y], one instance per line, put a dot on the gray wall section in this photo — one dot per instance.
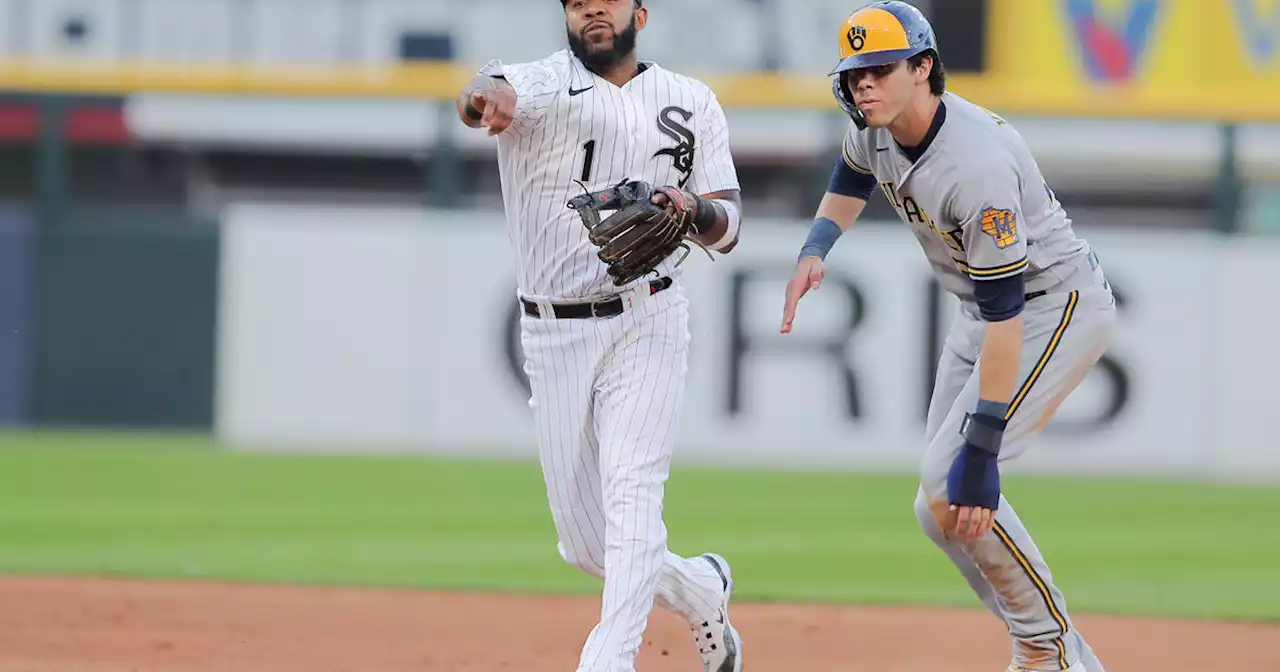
[17, 268]
[128, 321]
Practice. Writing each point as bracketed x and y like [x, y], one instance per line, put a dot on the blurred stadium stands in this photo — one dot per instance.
[204, 89]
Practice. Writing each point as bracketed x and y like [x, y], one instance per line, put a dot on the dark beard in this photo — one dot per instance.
[599, 61]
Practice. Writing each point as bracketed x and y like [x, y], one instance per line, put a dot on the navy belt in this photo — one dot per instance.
[1034, 295]
[602, 308]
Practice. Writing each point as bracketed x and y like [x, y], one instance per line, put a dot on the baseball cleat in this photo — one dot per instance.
[718, 642]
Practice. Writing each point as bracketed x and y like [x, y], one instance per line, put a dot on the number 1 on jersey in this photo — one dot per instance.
[587, 162]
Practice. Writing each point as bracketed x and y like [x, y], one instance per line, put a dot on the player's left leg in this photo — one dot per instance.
[1064, 336]
[955, 367]
[638, 395]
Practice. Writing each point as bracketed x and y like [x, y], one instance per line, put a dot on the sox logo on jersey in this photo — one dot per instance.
[682, 153]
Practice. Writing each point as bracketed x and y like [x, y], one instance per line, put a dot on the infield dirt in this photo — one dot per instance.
[109, 625]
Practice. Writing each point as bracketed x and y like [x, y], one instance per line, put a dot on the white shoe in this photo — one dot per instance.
[718, 643]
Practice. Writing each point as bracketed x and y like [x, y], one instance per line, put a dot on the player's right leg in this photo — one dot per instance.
[1065, 335]
[564, 360]
[561, 357]
[639, 393]
[955, 367]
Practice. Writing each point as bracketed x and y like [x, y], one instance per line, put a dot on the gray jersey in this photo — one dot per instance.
[976, 201]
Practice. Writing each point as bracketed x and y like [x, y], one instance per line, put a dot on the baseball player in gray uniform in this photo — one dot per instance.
[607, 363]
[1035, 311]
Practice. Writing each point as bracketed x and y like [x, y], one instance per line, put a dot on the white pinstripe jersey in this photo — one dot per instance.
[574, 129]
[976, 201]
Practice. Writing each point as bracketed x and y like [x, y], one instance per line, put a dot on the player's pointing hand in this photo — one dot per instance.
[498, 106]
[808, 275]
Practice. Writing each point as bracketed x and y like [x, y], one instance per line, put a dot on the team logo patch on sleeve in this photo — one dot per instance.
[1001, 226]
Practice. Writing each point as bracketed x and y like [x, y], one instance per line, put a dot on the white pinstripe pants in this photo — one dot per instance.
[606, 395]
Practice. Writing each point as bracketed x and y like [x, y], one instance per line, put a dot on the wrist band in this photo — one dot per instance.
[734, 216]
[704, 214]
[822, 237]
[981, 434]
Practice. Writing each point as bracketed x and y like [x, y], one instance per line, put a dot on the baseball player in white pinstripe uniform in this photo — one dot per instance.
[607, 363]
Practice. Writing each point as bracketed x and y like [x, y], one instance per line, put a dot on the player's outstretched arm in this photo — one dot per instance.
[846, 197]
[487, 102]
[836, 214]
[843, 209]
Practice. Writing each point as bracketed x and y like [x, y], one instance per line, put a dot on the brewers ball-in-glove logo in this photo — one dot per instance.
[857, 37]
[1001, 226]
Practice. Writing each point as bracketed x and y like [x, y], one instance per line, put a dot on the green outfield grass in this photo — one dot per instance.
[171, 506]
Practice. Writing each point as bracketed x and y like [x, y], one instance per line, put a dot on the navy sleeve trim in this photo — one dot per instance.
[1001, 299]
[847, 180]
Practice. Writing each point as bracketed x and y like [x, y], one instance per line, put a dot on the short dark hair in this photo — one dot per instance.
[937, 76]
